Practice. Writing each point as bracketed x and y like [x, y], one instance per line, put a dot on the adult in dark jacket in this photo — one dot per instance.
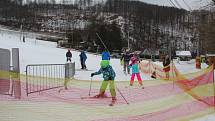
[126, 58]
[83, 58]
[68, 56]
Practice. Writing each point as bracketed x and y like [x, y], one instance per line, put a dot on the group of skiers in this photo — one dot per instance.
[129, 61]
[83, 58]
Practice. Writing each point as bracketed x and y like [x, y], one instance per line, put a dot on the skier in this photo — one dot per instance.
[178, 60]
[136, 56]
[105, 55]
[135, 71]
[83, 58]
[153, 75]
[125, 60]
[23, 39]
[166, 65]
[68, 55]
[108, 75]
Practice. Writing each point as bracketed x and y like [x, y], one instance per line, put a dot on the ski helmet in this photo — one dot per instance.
[104, 63]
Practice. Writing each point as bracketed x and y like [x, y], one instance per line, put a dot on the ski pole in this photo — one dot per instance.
[122, 95]
[90, 85]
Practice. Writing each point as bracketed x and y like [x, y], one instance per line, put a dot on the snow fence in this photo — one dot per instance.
[182, 97]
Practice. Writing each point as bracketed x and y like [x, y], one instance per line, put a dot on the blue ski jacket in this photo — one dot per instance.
[83, 56]
[105, 55]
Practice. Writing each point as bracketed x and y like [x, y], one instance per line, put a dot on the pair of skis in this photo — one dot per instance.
[113, 102]
[140, 87]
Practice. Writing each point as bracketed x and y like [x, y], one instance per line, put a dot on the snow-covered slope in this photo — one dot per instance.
[35, 51]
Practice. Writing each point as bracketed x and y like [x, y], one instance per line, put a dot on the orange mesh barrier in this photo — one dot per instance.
[199, 85]
[182, 97]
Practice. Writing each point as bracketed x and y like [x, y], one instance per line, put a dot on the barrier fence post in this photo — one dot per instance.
[69, 70]
[173, 75]
[16, 73]
[69, 73]
[149, 66]
[213, 86]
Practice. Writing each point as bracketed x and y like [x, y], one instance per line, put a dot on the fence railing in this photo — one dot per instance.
[41, 77]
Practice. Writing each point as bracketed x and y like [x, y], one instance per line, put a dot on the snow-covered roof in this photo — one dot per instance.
[183, 53]
[210, 55]
[149, 52]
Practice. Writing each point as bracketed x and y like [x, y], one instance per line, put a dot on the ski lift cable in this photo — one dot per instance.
[172, 3]
[187, 5]
[178, 4]
[102, 42]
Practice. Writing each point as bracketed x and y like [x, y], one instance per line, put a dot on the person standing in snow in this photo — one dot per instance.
[166, 65]
[105, 55]
[68, 55]
[23, 39]
[125, 60]
[135, 70]
[178, 60]
[108, 75]
[136, 56]
[83, 58]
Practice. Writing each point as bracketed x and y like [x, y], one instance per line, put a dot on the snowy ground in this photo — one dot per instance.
[41, 52]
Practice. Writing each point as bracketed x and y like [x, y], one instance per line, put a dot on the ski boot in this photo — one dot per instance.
[141, 85]
[113, 101]
[97, 96]
[101, 95]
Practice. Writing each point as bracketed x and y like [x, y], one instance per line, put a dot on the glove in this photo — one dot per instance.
[111, 78]
[92, 74]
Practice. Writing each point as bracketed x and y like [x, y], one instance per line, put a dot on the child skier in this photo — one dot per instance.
[135, 71]
[125, 60]
[108, 75]
[166, 65]
[105, 55]
[68, 55]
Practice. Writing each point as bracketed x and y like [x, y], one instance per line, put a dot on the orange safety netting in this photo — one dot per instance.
[182, 97]
[148, 67]
[200, 84]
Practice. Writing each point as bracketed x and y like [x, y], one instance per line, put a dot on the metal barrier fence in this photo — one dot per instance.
[43, 77]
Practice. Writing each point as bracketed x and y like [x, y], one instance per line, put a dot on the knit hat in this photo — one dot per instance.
[133, 60]
[104, 63]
